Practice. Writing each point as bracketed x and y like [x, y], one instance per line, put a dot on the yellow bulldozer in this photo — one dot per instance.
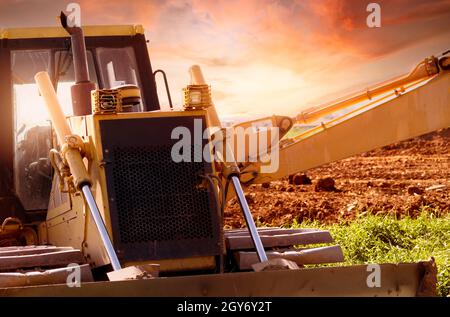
[96, 179]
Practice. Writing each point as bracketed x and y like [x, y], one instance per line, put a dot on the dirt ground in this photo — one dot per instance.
[397, 179]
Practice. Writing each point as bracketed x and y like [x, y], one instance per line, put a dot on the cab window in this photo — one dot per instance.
[117, 68]
[32, 127]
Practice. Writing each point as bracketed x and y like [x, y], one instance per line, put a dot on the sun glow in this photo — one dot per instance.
[30, 109]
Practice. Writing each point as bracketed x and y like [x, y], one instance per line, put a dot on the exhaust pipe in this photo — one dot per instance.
[81, 91]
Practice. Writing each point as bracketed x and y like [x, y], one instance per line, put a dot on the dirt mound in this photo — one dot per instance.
[300, 179]
[398, 179]
[325, 185]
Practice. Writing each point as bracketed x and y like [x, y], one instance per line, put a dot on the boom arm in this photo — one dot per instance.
[424, 70]
[412, 108]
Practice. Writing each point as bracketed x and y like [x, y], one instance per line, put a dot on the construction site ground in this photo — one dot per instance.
[399, 179]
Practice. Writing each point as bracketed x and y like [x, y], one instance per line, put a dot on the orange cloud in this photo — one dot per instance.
[257, 51]
[324, 43]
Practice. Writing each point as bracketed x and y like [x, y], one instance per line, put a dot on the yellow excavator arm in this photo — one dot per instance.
[409, 106]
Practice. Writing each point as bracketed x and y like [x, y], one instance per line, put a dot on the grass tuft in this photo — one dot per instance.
[384, 239]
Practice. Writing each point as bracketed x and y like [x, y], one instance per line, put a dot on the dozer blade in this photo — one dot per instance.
[408, 279]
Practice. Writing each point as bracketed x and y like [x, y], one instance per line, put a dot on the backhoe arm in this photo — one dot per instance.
[398, 113]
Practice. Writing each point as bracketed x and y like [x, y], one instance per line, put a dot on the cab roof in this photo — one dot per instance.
[57, 32]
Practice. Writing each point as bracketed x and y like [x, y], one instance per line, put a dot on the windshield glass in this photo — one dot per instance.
[32, 128]
[118, 68]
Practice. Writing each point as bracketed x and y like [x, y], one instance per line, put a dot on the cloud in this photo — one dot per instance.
[260, 52]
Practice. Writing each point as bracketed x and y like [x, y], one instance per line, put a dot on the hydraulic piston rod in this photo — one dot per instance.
[101, 227]
[198, 79]
[72, 157]
[249, 219]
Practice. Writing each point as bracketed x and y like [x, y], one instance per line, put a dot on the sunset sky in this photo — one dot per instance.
[263, 57]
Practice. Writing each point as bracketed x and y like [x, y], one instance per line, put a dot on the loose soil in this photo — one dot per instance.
[397, 179]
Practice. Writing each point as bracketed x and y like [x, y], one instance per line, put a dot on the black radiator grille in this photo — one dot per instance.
[157, 208]
[157, 199]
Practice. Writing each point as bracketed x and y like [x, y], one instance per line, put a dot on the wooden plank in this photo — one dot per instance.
[330, 254]
[61, 258]
[267, 231]
[54, 276]
[275, 264]
[26, 247]
[29, 251]
[135, 272]
[282, 240]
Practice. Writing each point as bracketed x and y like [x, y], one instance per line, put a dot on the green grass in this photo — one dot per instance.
[383, 239]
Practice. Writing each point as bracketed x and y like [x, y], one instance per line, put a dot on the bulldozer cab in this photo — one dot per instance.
[116, 56]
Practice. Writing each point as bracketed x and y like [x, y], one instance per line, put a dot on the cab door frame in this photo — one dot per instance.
[10, 205]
